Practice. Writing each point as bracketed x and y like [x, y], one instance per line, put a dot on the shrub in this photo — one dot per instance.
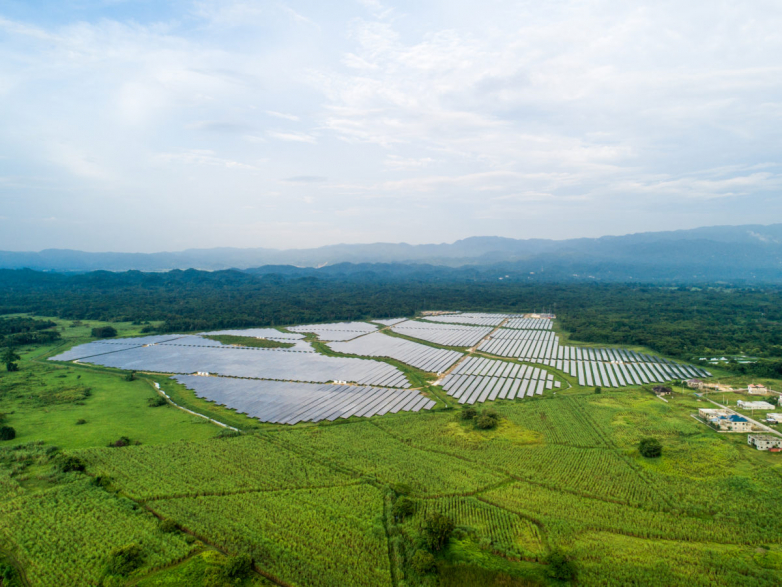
[403, 507]
[168, 525]
[650, 448]
[157, 401]
[104, 332]
[468, 413]
[228, 433]
[123, 560]
[7, 433]
[81, 421]
[123, 441]
[485, 422]
[559, 567]
[238, 566]
[598, 389]
[130, 376]
[71, 463]
[422, 562]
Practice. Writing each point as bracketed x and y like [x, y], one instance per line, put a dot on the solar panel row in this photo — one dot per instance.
[444, 334]
[272, 333]
[389, 321]
[337, 331]
[285, 402]
[608, 374]
[418, 355]
[478, 379]
[240, 362]
[473, 319]
[529, 323]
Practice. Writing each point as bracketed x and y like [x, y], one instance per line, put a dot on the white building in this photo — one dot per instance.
[707, 413]
[765, 442]
[754, 405]
[774, 418]
[757, 389]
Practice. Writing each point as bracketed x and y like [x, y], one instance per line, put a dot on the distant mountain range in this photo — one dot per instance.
[750, 252]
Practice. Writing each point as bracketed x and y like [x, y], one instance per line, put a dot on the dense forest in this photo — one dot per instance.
[682, 321]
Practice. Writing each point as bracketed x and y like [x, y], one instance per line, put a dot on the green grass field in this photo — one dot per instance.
[315, 504]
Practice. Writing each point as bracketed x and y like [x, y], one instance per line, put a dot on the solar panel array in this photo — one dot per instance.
[605, 367]
[280, 364]
[529, 323]
[271, 333]
[285, 402]
[478, 379]
[471, 318]
[378, 344]
[390, 321]
[443, 334]
[337, 331]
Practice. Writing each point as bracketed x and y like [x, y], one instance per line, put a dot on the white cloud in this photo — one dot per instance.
[571, 111]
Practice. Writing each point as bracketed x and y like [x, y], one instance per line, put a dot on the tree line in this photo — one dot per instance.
[682, 321]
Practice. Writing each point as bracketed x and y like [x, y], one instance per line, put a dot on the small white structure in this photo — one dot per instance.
[754, 405]
[765, 442]
[757, 389]
[203, 373]
[707, 413]
[774, 418]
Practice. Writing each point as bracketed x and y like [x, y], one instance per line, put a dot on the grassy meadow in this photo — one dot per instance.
[348, 502]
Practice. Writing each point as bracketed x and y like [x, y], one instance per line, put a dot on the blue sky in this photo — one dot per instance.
[151, 125]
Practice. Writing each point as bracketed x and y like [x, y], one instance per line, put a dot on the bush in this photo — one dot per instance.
[598, 389]
[81, 421]
[422, 562]
[70, 463]
[403, 507]
[485, 422]
[168, 525]
[228, 433]
[468, 413]
[650, 448]
[157, 401]
[123, 560]
[559, 567]
[437, 531]
[130, 376]
[123, 441]
[7, 433]
[238, 566]
[104, 332]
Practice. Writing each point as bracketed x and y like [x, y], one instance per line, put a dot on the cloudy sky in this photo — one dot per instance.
[152, 125]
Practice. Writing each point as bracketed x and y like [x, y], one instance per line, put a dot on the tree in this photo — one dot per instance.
[559, 567]
[7, 433]
[104, 332]
[437, 530]
[650, 448]
[9, 358]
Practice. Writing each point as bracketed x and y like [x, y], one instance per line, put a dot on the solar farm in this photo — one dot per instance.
[474, 357]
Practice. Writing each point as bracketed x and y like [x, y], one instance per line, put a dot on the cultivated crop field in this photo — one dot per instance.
[102, 466]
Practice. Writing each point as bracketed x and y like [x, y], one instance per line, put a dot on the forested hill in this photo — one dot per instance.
[679, 321]
[750, 253]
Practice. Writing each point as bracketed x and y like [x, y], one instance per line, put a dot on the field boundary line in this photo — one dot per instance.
[157, 388]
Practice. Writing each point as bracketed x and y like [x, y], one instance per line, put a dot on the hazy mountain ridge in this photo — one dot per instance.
[746, 252]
